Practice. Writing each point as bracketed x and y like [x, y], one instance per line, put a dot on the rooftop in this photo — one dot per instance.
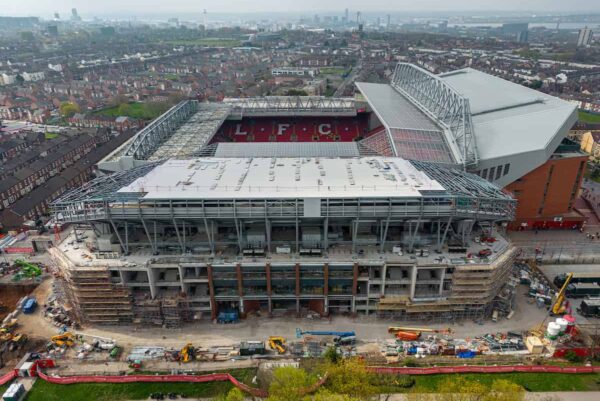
[515, 119]
[245, 178]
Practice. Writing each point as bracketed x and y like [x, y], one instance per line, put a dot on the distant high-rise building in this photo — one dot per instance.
[523, 37]
[74, 15]
[52, 30]
[358, 18]
[389, 21]
[585, 37]
[56, 16]
[346, 15]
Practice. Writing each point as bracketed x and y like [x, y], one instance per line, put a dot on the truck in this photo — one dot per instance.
[581, 290]
[590, 307]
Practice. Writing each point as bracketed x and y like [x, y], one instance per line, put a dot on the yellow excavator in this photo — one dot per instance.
[558, 308]
[66, 339]
[187, 353]
[277, 343]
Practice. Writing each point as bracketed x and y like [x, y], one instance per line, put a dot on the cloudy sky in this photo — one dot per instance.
[131, 7]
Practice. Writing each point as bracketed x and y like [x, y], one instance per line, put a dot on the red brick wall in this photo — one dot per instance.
[547, 191]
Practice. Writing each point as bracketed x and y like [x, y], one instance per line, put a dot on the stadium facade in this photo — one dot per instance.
[391, 203]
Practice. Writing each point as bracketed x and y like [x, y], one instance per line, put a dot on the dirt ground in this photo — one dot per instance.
[207, 334]
[10, 295]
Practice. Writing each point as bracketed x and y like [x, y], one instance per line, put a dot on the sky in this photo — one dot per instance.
[90, 8]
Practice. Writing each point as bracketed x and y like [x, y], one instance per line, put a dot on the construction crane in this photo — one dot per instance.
[277, 343]
[187, 353]
[557, 307]
[66, 339]
[340, 334]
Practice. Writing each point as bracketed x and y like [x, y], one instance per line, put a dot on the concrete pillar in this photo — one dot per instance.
[326, 279]
[383, 275]
[413, 282]
[268, 278]
[122, 276]
[355, 279]
[240, 281]
[152, 282]
[443, 276]
[181, 271]
[211, 292]
[297, 267]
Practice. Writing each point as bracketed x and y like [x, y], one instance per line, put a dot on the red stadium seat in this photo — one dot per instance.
[295, 129]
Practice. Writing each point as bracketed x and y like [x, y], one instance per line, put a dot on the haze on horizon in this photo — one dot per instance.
[87, 9]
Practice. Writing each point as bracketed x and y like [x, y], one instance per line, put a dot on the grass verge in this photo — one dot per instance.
[143, 111]
[587, 117]
[44, 391]
[534, 382]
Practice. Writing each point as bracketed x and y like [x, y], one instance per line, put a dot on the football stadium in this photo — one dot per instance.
[393, 203]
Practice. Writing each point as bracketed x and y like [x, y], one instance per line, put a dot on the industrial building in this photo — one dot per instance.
[393, 203]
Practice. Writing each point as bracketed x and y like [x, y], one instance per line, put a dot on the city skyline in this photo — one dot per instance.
[45, 8]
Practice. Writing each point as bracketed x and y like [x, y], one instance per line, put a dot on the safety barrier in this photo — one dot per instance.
[484, 369]
[214, 377]
[8, 377]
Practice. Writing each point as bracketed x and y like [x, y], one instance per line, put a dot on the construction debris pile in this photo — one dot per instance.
[54, 309]
[441, 343]
[540, 289]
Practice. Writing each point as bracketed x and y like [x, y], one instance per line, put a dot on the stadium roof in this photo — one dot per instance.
[393, 109]
[273, 178]
[509, 118]
[413, 134]
[287, 149]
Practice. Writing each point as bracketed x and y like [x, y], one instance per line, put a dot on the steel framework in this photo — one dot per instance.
[443, 103]
[148, 139]
[292, 105]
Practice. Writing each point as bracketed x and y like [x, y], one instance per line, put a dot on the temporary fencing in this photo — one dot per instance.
[214, 377]
[8, 377]
[484, 369]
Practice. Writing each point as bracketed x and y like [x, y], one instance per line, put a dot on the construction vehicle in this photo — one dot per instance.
[395, 329]
[277, 343]
[408, 335]
[340, 334]
[28, 270]
[66, 339]
[187, 353]
[558, 308]
[116, 352]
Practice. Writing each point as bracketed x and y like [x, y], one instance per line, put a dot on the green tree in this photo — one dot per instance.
[350, 377]
[289, 384]
[235, 394]
[326, 395]
[331, 355]
[68, 109]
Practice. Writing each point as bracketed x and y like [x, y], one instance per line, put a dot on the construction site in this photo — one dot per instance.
[423, 246]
